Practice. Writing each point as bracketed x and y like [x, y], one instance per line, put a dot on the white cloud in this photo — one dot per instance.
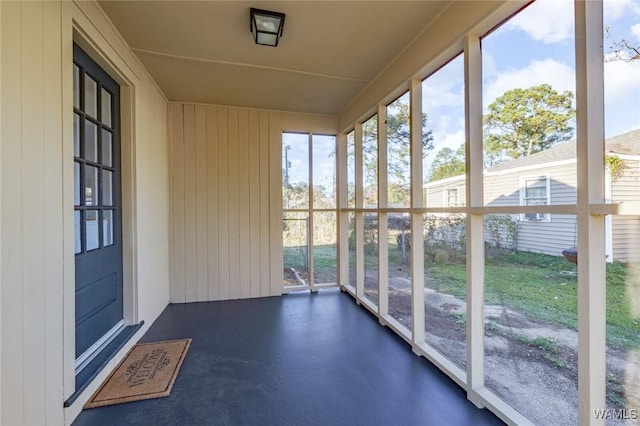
[558, 74]
[443, 140]
[549, 21]
[616, 9]
[621, 96]
[635, 30]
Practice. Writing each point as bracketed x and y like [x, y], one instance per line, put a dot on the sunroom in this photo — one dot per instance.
[154, 155]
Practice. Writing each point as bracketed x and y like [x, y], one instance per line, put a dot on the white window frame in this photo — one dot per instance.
[446, 193]
[540, 217]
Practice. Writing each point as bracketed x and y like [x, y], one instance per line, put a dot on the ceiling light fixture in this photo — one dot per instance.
[266, 26]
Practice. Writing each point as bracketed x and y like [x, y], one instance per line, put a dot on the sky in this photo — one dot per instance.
[534, 47]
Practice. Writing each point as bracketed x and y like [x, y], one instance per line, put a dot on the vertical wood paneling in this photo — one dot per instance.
[243, 203]
[254, 202]
[178, 199]
[275, 204]
[265, 255]
[202, 290]
[234, 222]
[226, 204]
[13, 387]
[212, 203]
[33, 209]
[53, 202]
[223, 204]
[190, 203]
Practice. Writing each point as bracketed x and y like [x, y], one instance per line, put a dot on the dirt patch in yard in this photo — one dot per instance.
[532, 366]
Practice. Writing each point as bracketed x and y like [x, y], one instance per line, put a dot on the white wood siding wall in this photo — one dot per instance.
[36, 182]
[226, 203]
[32, 248]
[626, 229]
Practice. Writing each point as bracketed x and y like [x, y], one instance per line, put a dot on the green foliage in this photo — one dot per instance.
[531, 283]
[522, 122]
[447, 163]
[398, 152]
[614, 164]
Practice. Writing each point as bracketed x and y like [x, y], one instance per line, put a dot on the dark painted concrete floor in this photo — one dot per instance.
[293, 360]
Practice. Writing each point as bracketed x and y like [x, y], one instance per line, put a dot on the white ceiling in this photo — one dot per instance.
[330, 51]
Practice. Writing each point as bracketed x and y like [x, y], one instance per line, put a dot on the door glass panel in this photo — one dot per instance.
[90, 96]
[107, 148]
[91, 186]
[107, 188]
[77, 232]
[91, 229]
[107, 228]
[76, 86]
[76, 135]
[76, 184]
[106, 107]
[90, 141]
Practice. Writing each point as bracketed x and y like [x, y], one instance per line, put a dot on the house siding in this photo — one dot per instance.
[36, 181]
[626, 229]
[503, 189]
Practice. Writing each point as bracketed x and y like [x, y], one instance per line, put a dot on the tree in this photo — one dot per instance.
[522, 122]
[621, 50]
[447, 163]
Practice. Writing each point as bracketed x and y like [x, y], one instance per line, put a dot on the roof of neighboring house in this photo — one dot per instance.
[626, 143]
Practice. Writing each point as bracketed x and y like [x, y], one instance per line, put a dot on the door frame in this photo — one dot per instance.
[78, 27]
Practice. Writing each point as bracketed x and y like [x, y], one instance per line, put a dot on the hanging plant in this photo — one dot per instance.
[614, 164]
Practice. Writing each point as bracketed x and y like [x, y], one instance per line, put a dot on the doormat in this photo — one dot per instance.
[148, 371]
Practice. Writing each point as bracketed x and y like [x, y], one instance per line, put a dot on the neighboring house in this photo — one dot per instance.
[550, 178]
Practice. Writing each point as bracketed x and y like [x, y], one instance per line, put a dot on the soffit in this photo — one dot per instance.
[330, 51]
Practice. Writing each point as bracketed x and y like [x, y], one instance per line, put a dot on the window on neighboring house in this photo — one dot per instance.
[452, 197]
[534, 191]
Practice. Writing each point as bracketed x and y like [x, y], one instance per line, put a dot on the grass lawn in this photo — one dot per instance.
[534, 285]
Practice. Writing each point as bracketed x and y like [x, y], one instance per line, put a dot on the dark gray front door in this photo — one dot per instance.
[97, 206]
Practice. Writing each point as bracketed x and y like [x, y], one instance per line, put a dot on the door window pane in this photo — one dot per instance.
[76, 184]
[77, 232]
[106, 107]
[107, 228]
[107, 188]
[91, 229]
[90, 141]
[76, 86]
[90, 96]
[107, 148]
[90, 186]
[76, 135]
